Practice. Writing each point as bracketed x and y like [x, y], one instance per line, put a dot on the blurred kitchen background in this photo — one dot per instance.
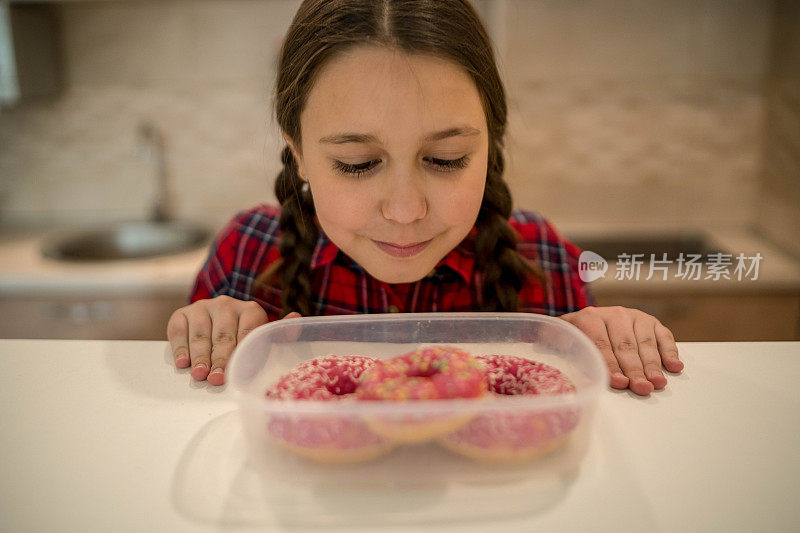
[670, 122]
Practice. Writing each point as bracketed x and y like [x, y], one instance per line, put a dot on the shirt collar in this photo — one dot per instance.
[324, 252]
[460, 259]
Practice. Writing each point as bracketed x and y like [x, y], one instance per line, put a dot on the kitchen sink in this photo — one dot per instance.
[611, 247]
[131, 240]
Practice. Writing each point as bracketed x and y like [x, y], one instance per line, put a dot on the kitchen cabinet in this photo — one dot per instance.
[29, 56]
[705, 316]
[76, 317]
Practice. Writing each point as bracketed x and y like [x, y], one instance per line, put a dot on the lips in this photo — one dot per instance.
[402, 250]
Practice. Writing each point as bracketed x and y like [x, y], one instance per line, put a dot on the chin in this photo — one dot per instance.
[391, 274]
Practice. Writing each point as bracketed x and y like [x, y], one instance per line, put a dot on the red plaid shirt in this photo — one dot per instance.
[340, 286]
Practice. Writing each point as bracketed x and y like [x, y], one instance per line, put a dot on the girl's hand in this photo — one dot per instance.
[633, 343]
[205, 333]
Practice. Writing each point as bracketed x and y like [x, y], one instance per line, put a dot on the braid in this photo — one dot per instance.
[503, 269]
[298, 239]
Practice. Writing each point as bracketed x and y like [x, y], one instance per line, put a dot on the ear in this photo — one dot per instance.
[297, 157]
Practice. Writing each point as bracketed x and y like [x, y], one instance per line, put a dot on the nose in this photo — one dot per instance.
[404, 201]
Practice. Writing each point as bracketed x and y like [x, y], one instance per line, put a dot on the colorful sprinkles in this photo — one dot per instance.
[433, 372]
[330, 377]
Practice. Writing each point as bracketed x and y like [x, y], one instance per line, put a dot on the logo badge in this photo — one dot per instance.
[591, 266]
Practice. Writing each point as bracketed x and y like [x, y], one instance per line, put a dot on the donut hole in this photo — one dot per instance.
[514, 376]
[341, 389]
[428, 372]
[340, 385]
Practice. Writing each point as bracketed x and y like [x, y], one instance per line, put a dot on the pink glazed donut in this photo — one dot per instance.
[430, 373]
[508, 436]
[325, 438]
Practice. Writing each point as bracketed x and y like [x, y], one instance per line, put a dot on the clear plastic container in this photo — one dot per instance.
[344, 434]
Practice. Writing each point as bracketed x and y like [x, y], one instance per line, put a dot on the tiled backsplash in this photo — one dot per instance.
[201, 71]
[779, 198]
[637, 112]
[626, 112]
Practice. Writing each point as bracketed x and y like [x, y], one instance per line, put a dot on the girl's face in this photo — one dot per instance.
[394, 148]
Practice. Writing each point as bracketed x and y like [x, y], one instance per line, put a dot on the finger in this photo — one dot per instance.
[200, 342]
[225, 323]
[252, 316]
[668, 349]
[291, 333]
[626, 350]
[645, 331]
[178, 337]
[242, 321]
[594, 328]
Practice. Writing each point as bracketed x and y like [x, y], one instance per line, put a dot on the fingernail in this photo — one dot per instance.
[217, 371]
[182, 361]
[200, 371]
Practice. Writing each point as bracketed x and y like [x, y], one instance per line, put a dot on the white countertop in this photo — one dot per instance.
[108, 436]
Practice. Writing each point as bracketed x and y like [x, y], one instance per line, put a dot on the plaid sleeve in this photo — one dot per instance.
[558, 258]
[583, 295]
[214, 277]
[241, 251]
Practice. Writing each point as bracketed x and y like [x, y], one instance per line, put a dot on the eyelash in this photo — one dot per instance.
[359, 170]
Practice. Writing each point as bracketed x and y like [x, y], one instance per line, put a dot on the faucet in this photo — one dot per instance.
[152, 146]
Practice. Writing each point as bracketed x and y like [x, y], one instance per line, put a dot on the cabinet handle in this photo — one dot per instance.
[79, 313]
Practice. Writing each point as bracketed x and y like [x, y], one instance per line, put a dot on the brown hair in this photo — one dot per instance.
[445, 28]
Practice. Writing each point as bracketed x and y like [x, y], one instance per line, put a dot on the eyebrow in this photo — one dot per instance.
[344, 138]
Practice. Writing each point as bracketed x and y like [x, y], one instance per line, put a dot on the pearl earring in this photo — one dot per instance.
[304, 187]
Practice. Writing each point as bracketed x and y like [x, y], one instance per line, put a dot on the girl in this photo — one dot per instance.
[392, 197]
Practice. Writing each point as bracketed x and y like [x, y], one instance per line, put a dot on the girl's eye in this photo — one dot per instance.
[357, 170]
[449, 165]
[361, 169]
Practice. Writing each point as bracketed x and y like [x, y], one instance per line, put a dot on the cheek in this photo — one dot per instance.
[460, 204]
[343, 207]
